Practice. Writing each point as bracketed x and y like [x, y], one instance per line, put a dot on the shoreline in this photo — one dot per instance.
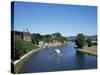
[19, 63]
[15, 62]
[85, 51]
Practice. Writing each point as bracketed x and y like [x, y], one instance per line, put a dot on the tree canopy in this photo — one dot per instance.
[80, 39]
[89, 42]
[36, 37]
[48, 38]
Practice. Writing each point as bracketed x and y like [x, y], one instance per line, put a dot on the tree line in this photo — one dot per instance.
[55, 37]
[81, 41]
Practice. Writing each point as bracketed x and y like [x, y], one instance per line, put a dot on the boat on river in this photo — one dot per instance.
[57, 51]
[75, 46]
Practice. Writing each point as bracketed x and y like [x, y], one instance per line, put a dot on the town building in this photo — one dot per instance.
[27, 36]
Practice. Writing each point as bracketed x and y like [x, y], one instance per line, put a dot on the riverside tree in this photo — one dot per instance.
[89, 42]
[80, 39]
[36, 37]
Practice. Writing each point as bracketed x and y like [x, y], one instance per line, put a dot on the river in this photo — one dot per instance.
[45, 60]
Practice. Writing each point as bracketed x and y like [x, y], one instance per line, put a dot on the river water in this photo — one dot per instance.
[45, 60]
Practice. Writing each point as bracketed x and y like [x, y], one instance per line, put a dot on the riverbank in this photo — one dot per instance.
[90, 50]
[19, 63]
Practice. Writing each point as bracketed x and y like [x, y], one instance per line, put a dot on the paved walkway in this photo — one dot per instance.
[15, 62]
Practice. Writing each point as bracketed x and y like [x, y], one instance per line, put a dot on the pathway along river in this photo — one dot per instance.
[45, 60]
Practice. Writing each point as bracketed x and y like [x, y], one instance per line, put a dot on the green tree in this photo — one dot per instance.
[36, 37]
[57, 34]
[57, 37]
[89, 42]
[80, 39]
[64, 39]
[47, 38]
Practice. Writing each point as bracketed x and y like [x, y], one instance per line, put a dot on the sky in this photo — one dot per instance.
[46, 18]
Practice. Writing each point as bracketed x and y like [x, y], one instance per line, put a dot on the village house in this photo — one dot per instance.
[27, 36]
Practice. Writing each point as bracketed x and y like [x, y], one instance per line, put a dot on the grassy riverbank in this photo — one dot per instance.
[90, 50]
[19, 64]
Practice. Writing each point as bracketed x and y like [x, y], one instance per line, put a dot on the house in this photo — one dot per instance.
[27, 36]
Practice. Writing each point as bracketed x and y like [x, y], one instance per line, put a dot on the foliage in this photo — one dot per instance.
[36, 37]
[22, 47]
[59, 38]
[47, 38]
[94, 43]
[80, 39]
[89, 42]
[56, 37]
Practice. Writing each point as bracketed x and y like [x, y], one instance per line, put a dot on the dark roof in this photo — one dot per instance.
[26, 33]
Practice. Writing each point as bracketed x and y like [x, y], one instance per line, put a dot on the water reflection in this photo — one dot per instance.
[79, 54]
[80, 60]
[58, 59]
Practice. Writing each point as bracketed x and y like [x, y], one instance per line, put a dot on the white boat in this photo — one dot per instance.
[75, 46]
[57, 52]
